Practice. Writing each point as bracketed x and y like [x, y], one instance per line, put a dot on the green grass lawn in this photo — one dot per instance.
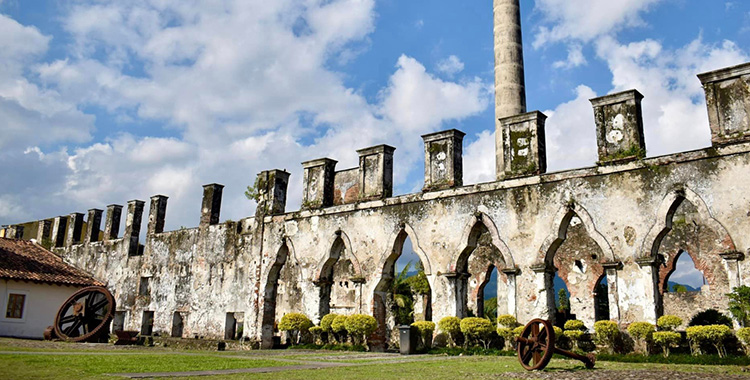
[95, 366]
[79, 362]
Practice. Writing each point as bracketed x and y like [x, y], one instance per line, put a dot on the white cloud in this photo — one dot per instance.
[450, 66]
[571, 133]
[585, 20]
[244, 85]
[575, 58]
[479, 159]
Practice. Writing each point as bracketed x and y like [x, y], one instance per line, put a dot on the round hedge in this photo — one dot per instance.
[295, 321]
[668, 322]
[641, 331]
[339, 324]
[327, 320]
[360, 325]
[575, 324]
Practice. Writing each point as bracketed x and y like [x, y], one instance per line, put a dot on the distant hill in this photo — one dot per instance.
[689, 288]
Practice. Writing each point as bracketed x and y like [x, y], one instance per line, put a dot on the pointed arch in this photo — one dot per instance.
[338, 242]
[562, 221]
[471, 234]
[284, 253]
[394, 251]
[663, 223]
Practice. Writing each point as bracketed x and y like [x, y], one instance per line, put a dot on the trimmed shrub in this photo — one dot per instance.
[744, 336]
[642, 333]
[326, 321]
[317, 333]
[668, 322]
[425, 329]
[666, 340]
[710, 317]
[452, 327]
[509, 337]
[338, 328]
[712, 334]
[518, 330]
[574, 324]
[477, 330]
[295, 324]
[360, 326]
[607, 333]
[507, 320]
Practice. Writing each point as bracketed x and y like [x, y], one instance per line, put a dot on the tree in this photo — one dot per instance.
[563, 301]
[739, 305]
[403, 299]
[679, 288]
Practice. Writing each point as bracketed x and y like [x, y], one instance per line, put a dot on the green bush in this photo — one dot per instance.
[317, 333]
[326, 321]
[710, 317]
[642, 333]
[666, 340]
[574, 324]
[452, 327]
[711, 334]
[507, 320]
[509, 337]
[339, 324]
[668, 322]
[574, 336]
[739, 304]
[744, 336]
[607, 333]
[518, 330]
[477, 330]
[295, 324]
[425, 329]
[360, 326]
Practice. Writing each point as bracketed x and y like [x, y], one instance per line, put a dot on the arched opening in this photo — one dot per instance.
[339, 287]
[684, 277]
[270, 294]
[477, 278]
[562, 301]
[403, 294]
[692, 277]
[487, 295]
[601, 299]
[574, 264]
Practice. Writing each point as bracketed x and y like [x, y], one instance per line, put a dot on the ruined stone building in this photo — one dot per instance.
[624, 221]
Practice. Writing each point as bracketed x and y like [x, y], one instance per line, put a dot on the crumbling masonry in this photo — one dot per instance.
[625, 220]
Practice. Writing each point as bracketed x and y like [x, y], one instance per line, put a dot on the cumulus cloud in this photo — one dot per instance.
[575, 58]
[585, 20]
[450, 66]
[237, 87]
[479, 159]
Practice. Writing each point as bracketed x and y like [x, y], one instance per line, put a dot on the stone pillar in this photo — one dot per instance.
[157, 213]
[75, 227]
[133, 227]
[728, 102]
[619, 127]
[15, 232]
[545, 293]
[43, 231]
[610, 270]
[511, 274]
[271, 187]
[649, 281]
[317, 183]
[444, 297]
[524, 152]
[211, 205]
[510, 91]
[376, 172]
[443, 160]
[93, 225]
[59, 226]
[112, 223]
[732, 266]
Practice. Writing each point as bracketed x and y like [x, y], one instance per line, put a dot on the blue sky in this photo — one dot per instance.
[107, 101]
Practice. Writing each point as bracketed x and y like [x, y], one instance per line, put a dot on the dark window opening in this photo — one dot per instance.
[177, 325]
[143, 289]
[147, 323]
[118, 322]
[15, 306]
[601, 300]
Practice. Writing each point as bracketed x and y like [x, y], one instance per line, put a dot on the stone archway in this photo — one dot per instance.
[580, 255]
[339, 279]
[383, 297]
[270, 294]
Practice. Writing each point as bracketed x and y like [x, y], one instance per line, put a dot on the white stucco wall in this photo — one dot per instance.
[40, 307]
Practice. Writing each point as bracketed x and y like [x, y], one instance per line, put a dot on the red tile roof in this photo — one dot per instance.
[27, 261]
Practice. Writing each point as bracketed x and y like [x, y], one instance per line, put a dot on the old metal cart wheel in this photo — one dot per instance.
[85, 315]
[536, 344]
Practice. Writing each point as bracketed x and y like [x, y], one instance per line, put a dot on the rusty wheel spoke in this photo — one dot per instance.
[527, 355]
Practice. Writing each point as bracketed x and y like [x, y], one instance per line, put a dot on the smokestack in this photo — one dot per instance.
[510, 91]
